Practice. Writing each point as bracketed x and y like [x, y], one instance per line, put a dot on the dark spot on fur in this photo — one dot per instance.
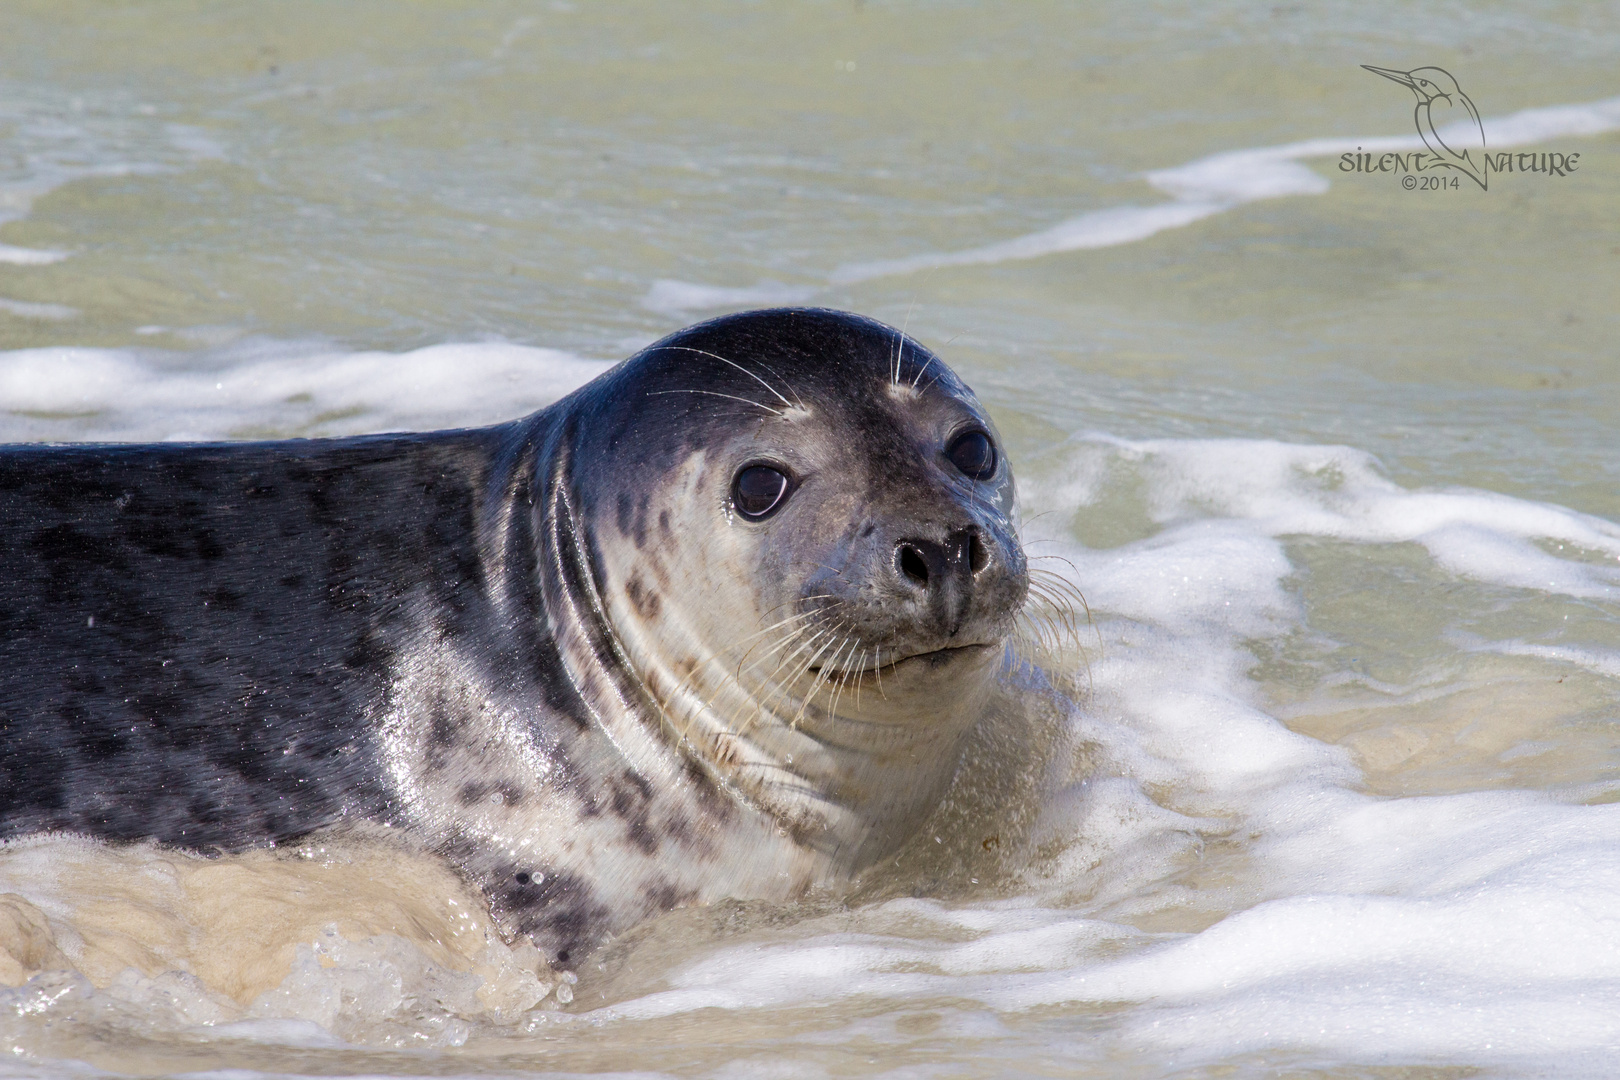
[659, 573]
[224, 599]
[556, 910]
[473, 791]
[643, 599]
[630, 794]
[641, 834]
[804, 833]
[678, 829]
[713, 801]
[65, 543]
[626, 514]
[443, 731]
[369, 654]
[208, 545]
[663, 525]
[664, 896]
[641, 523]
[639, 782]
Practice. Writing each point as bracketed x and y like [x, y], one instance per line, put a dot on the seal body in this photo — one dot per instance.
[716, 624]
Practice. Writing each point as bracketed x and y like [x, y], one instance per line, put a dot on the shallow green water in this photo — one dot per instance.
[234, 184]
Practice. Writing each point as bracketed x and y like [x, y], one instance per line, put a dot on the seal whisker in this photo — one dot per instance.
[733, 363]
[905, 325]
[784, 382]
[1058, 608]
[843, 677]
[1046, 625]
[927, 363]
[788, 639]
[1054, 558]
[780, 689]
[772, 688]
[683, 730]
[815, 685]
[761, 633]
[780, 685]
[711, 393]
[773, 609]
[1051, 581]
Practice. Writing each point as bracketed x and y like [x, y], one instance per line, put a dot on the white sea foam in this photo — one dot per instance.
[21, 256]
[1227, 180]
[261, 389]
[1198, 190]
[26, 309]
[1282, 490]
[668, 297]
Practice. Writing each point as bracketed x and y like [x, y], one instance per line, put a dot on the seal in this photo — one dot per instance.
[714, 625]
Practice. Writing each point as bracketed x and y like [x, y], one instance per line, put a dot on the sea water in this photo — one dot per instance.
[1333, 462]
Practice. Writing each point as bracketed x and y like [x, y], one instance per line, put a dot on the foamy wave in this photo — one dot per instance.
[678, 297]
[1224, 181]
[1280, 490]
[363, 941]
[25, 309]
[1517, 954]
[1102, 228]
[21, 256]
[262, 389]
[1199, 189]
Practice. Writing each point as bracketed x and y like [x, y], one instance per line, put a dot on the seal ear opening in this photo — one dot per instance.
[759, 490]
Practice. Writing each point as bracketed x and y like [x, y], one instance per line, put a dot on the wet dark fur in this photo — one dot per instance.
[192, 637]
[197, 641]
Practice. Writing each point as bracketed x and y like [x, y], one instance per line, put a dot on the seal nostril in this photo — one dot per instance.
[912, 564]
[978, 554]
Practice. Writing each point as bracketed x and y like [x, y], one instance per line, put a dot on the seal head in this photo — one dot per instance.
[801, 524]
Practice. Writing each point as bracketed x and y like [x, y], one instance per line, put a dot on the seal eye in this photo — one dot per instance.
[758, 490]
[974, 454]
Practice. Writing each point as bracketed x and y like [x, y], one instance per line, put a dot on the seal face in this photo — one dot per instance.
[714, 625]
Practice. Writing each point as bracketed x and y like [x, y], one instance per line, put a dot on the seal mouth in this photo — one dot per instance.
[932, 658]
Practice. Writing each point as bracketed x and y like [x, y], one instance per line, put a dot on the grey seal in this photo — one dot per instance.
[715, 625]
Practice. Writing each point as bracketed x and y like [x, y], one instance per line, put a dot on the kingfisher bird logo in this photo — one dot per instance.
[1443, 107]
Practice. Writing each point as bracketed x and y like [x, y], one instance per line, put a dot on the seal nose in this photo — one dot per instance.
[944, 573]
